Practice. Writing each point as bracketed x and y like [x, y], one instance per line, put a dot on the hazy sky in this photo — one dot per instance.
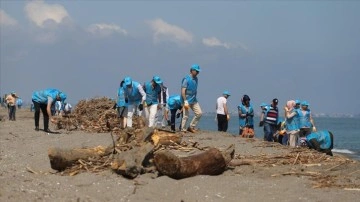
[306, 50]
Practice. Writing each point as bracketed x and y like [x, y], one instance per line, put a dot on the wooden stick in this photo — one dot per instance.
[297, 156]
[30, 170]
[352, 189]
[335, 166]
[353, 172]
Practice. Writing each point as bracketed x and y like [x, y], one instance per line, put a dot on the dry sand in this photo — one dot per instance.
[26, 175]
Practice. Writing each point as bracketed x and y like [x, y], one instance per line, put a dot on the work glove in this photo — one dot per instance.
[178, 115]
[261, 124]
[169, 123]
[186, 104]
[141, 107]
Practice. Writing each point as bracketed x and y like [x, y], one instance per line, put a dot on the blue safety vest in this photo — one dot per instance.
[42, 96]
[120, 102]
[152, 94]
[174, 102]
[133, 94]
[191, 88]
[292, 123]
[244, 121]
[304, 119]
[19, 102]
[322, 137]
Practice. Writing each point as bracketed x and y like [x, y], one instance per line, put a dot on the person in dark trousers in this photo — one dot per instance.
[44, 100]
[222, 112]
[175, 106]
[11, 102]
[322, 141]
[269, 119]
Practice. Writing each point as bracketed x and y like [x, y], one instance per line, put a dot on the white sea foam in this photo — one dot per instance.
[344, 151]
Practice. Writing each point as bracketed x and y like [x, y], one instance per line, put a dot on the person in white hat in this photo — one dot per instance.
[222, 112]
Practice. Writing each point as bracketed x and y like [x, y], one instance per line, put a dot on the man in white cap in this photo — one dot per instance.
[189, 86]
[222, 112]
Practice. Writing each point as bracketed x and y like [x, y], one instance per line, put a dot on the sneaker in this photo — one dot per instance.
[191, 130]
[49, 131]
[37, 128]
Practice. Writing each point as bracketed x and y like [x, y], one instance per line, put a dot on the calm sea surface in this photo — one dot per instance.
[346, 131]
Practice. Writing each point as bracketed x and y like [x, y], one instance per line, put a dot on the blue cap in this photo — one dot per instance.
[195, 67]
[305, 103]
[263, 104]
[62, 96]
[171, 103]
[127, 81]
[226, 93]
[297, 101]
[157, 79]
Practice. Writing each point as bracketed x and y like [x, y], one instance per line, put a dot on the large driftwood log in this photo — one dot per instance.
[165, 137]
[60, 159]
[131, 163]
[210, 162]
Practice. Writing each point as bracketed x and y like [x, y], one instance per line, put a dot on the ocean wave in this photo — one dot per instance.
[344, 151]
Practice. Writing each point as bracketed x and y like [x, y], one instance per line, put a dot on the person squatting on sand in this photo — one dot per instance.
[43, 100]
[246, 114]
[189, 86]
[269, 119]
[175, 105]
[321, 141]
[11, 103]
[134, 93]
[151, 104]
[222, 112]
[121, 105]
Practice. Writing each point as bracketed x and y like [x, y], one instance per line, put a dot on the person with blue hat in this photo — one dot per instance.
[44, 100]
[121, 105]
[19, 103]
[11, 103]
[306, 122]
[135, 96]
[152, 90]
[322, 141]
[246, 115]
[189, 86]
[222, 111]
[175, 105]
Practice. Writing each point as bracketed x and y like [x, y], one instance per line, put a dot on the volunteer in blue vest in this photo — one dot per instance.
[246, 114]
[43, 100]
[222, 111]
[189, 85]
[321, 141]
[269, 119]
[19, 103]
[175, 105]
[151, 105]
[136, 96]
[292, 122]
[306, 122]
[121, 105]
[11, 103]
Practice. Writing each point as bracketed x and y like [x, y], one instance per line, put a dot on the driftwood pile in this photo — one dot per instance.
[134, 150]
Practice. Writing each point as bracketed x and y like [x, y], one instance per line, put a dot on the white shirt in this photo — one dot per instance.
[220, 102]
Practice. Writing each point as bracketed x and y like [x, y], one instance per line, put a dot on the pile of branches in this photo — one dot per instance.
[94, 115]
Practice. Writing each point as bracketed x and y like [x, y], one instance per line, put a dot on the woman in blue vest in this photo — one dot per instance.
[152, 90]
[246, 114]
[175, 105]
[44, 100]
[121, 105]
[189, 86]
[322, 141]
[292, 122]
[135, 95]
[306, 122]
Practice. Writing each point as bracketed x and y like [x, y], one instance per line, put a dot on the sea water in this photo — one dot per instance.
[346, 131]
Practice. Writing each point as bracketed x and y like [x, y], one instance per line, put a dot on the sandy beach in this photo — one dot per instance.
[274, 175]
